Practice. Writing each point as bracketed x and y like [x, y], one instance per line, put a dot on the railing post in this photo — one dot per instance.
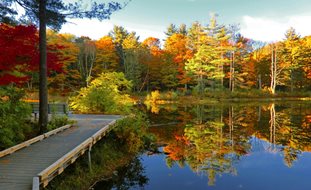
[90, 158]
[35, 183]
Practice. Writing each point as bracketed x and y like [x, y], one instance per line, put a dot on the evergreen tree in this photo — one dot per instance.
[171, 29]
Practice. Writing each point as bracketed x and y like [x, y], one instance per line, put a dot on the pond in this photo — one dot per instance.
[220, 146]
[237, 146]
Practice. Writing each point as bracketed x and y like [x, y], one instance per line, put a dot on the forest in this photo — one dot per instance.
[196, 59]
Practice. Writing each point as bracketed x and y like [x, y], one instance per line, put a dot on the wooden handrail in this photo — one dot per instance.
[55, 131]
[58, 167]
[99, 134]
[32, 141]
[46, 175]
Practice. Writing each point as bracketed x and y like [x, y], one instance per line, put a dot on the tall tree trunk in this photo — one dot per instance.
[230, 71]
[222, 70]
[231, 82]
[291, 80]
[272, 125]
[273, 69]
[259, 82]
[43, 89]
[231, 125]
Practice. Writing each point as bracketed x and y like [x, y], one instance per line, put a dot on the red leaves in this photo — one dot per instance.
[19, 54]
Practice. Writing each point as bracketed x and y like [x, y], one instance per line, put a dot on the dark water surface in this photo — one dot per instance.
[226, 146]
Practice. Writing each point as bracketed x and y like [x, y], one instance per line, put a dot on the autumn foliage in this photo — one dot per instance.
[19, 54]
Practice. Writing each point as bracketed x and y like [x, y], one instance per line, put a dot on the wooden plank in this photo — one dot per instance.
[32, 141]
[66, 158]
[25, 164]
[20, 146]
[72, 155]
[97, 135]
[56, 131]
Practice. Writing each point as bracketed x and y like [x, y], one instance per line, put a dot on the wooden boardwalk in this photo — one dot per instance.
[18, 169]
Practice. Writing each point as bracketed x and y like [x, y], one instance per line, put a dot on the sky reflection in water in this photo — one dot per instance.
[231, 147]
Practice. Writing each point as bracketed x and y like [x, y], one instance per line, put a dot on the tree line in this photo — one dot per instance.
[199, 57]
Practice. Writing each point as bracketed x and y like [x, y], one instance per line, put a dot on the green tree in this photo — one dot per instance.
[290, 55]
[119, 34]
[133, 69]
[183, 29]
[195, 33]
[171, 29]
[204, 67]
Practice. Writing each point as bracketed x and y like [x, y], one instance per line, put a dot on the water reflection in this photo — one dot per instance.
[130, 176]
[212, 139]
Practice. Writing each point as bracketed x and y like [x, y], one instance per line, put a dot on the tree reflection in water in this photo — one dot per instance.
[211, 139]
[127, 177]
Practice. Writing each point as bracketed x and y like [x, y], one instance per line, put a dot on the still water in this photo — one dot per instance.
[238, 146]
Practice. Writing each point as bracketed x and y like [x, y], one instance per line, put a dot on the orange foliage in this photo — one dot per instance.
[106, 56]
[176, 45]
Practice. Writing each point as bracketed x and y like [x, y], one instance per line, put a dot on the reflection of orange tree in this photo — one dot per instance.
[207, 149]
[176, 150]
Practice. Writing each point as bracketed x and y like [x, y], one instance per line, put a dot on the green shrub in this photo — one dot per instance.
[58, 121]
[132, 131]
[14, 117]
[106, 94]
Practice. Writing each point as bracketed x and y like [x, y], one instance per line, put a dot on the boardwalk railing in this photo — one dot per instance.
[44, 177]
[32, 141]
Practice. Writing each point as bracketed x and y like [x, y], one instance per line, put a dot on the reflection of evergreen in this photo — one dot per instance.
[127, 177]
[290, 155]
[210, 152]
[217, 136]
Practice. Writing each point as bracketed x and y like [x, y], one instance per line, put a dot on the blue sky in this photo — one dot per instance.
[265, 20]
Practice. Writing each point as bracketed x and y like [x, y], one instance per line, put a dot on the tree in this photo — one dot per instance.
[290, 55]
[219, 39]
[183, 29]
[54, 13]
[119, 34]
[86, 58]
[171, 29]
[19, 55]
[70, 78]
[203, 66]
[153, 62]
[195, 34]
[133, 69]
[106, 55]
[176, 46]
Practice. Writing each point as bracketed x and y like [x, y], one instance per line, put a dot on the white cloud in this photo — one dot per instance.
[268, 29]
[96, 29]
[85, 27]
